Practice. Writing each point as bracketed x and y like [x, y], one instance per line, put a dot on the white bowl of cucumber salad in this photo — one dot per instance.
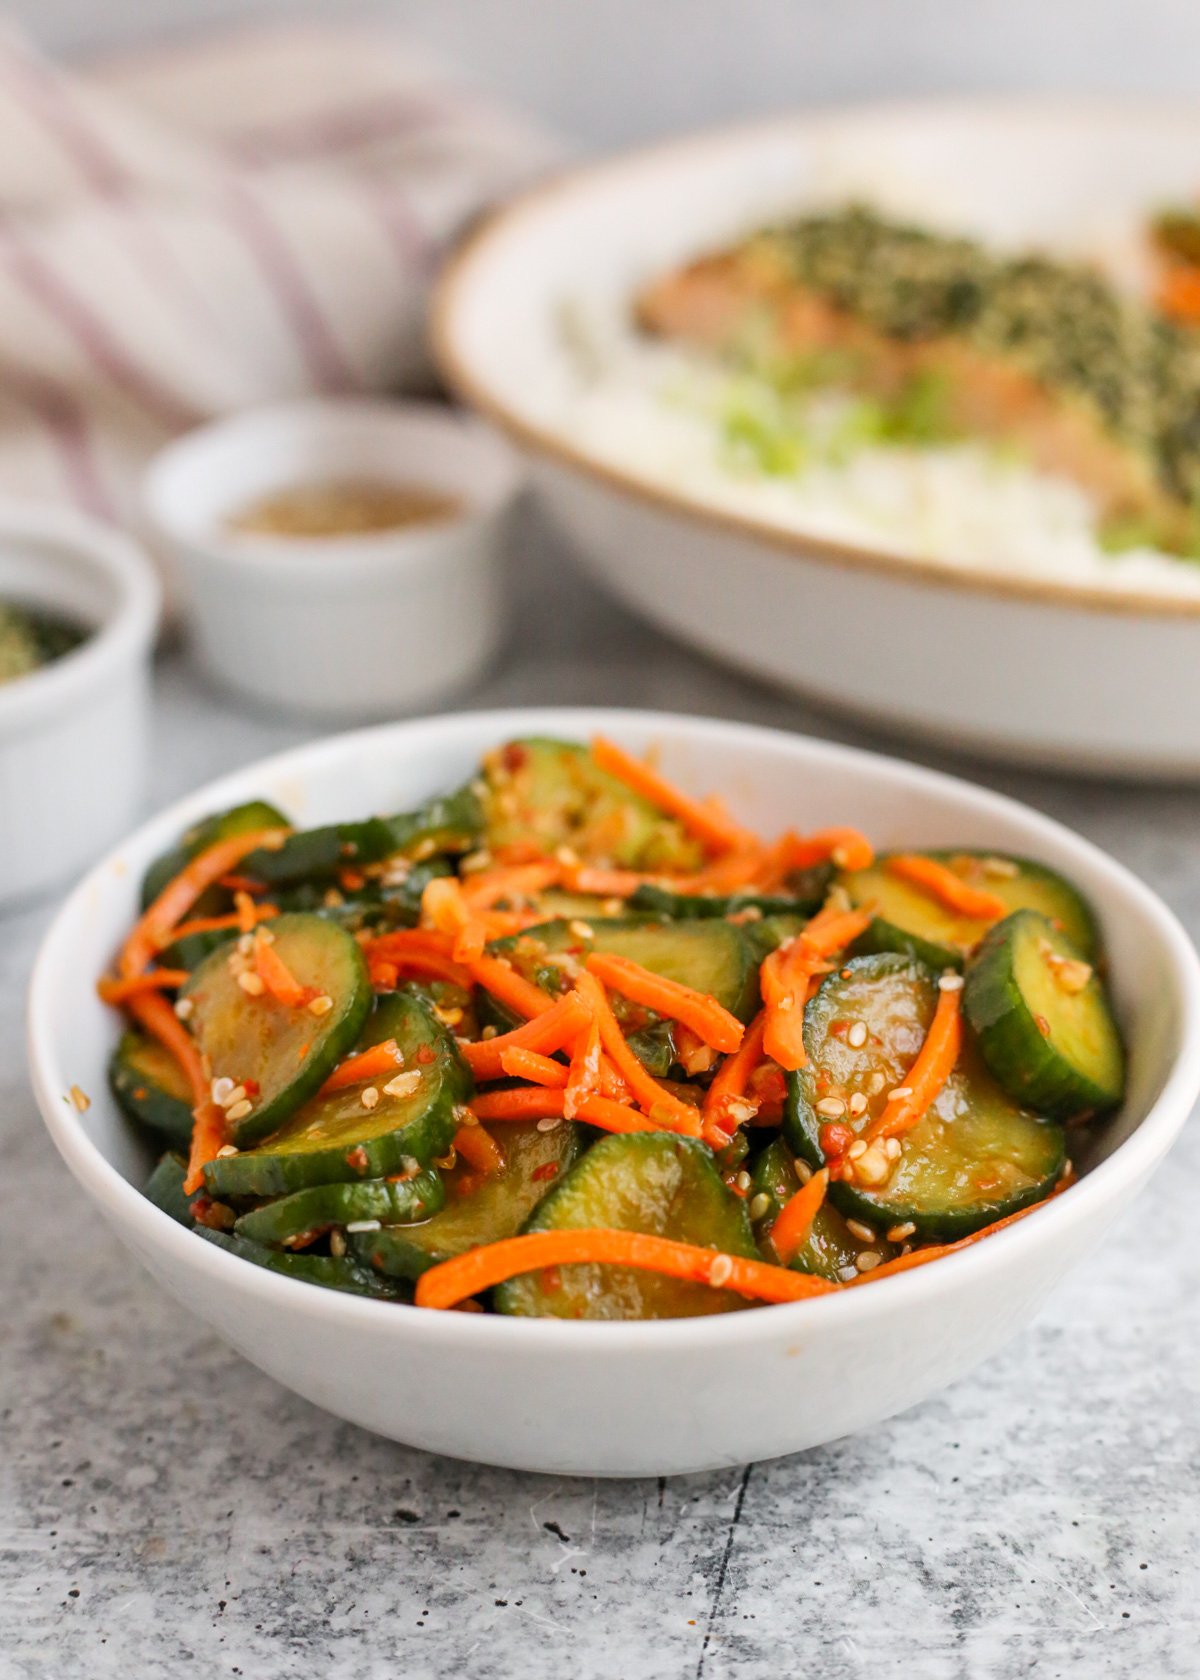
[533, 1390]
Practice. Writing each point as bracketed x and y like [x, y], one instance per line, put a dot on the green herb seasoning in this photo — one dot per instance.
[30, 640]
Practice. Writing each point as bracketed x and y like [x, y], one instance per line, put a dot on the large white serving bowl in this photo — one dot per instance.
[628, 1399]
[1082, 676]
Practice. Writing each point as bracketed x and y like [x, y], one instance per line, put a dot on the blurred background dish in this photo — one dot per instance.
[78, 611]
[978, 610]
[338, 559]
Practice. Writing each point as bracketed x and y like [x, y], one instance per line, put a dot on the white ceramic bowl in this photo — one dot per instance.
[629, 1399]
[339, 628]
[73, 735]
[1075, 674]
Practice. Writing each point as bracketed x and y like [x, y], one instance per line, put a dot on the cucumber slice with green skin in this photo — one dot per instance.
[916, 923]
[487, 1212]
[710, 956]
[1042, 1021]
[973, 1158]
[151, 1087]
[242, 819]
[324, 1270]
[289, 1052]
[335, 1140]
[653, 1182]
[373, 905]
[318, 854]
[545, 794]
[451, 823]
[165, 1189]
[686, 907]
[832, 1249]
[654, 1047]
[394, 1202]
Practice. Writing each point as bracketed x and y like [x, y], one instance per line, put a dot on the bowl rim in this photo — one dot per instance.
[126, 1207]
[125, 633]
[453, 361]
[458, 431]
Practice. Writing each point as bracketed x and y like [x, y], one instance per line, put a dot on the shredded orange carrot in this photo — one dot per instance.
[933, 1066]
[497, 976]
[208, 1139]
[604, 883]
[790, 1231]
[660, 1104]
[152, 1011]
[540, 1102]
[485, 889]
[584, 1078]
[479, 1149]
[150, 980]
[277, 977]
[444, 907]
[785, 975]
[726, 874]
[612, 1084]
[845, 847]
[483, 1268]
[421, 963]
[701, 1012]
[246, 911]
[374, 1063]
[725, 1104]
[1178, 293]
[947, 887]
[179, 894]
[419, 951]
[217, 924]
[713, 828]
[555, 1027]
[527, 1064]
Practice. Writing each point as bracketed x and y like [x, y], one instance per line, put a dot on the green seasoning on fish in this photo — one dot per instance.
[28, 641]
[949, 340]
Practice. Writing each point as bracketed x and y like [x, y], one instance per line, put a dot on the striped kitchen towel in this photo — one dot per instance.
[197, 228]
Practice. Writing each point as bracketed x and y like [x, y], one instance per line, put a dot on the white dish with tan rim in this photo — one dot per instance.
[641, 1398]
[1088, 665]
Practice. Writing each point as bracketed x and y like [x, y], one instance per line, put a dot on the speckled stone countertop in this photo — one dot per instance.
[167, 1510]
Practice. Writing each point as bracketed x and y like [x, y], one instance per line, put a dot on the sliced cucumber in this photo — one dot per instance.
[152, 1088]
[918, 924]
[543, 794]
[317, 854]
[687, 907]
[165, 1189]
[335, 1140]
[710, 956]
[289, 1052]
[344, 1274]
[399, 1201]
[832, 1250]
[653, 1182]
[1041, 1019]
[242, 819]
[974, 1157]
[451, 823]
[478, 1213]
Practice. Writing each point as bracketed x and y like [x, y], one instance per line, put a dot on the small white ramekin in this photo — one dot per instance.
[74, 734]
[339, 628]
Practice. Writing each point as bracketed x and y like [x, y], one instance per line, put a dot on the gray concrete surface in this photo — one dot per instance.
[166, 1510]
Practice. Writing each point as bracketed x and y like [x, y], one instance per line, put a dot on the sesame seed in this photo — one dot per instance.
[337, 1244]
[863, 1232]
[225, 1151]
[741, 1109]
[448, 1017]
[720, 1271]
[832, 1108]
[893, 1149]
[858, 1104]
[856, 1150]
[857, 1036]
[873, 1167]
[357, 1225]
[613, 906]
[566, 856]
[786, 1001]
[847, 1272]
[1001, 869]
[222, 1091]
[265, 936]
[409, 1164]
[183, 1008]
[320, 1005]
[246, 944]
[549, 1123]
[760, 1205]
[370, 1096]
[899, 1232]
[488, 1032]
[333, 898]
[581, 930]
[838, 856]
[950, 983]
[251, 983]
[803, 1171]
[239, 1110]
[743, 1181]
[875, 1084]
[403, 1085]
[868, 1260]
[899, 1091]
[80, 1100]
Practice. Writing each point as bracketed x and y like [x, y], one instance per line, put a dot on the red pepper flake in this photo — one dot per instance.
[351, 880]
[838, 1029]
[251, 1086]
[548, 1170]
[425, 1055]
[1043, 1026]
[515, 756]
[835, 1139]
[140, 1094]
[357, 1158]
[551, 1280]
